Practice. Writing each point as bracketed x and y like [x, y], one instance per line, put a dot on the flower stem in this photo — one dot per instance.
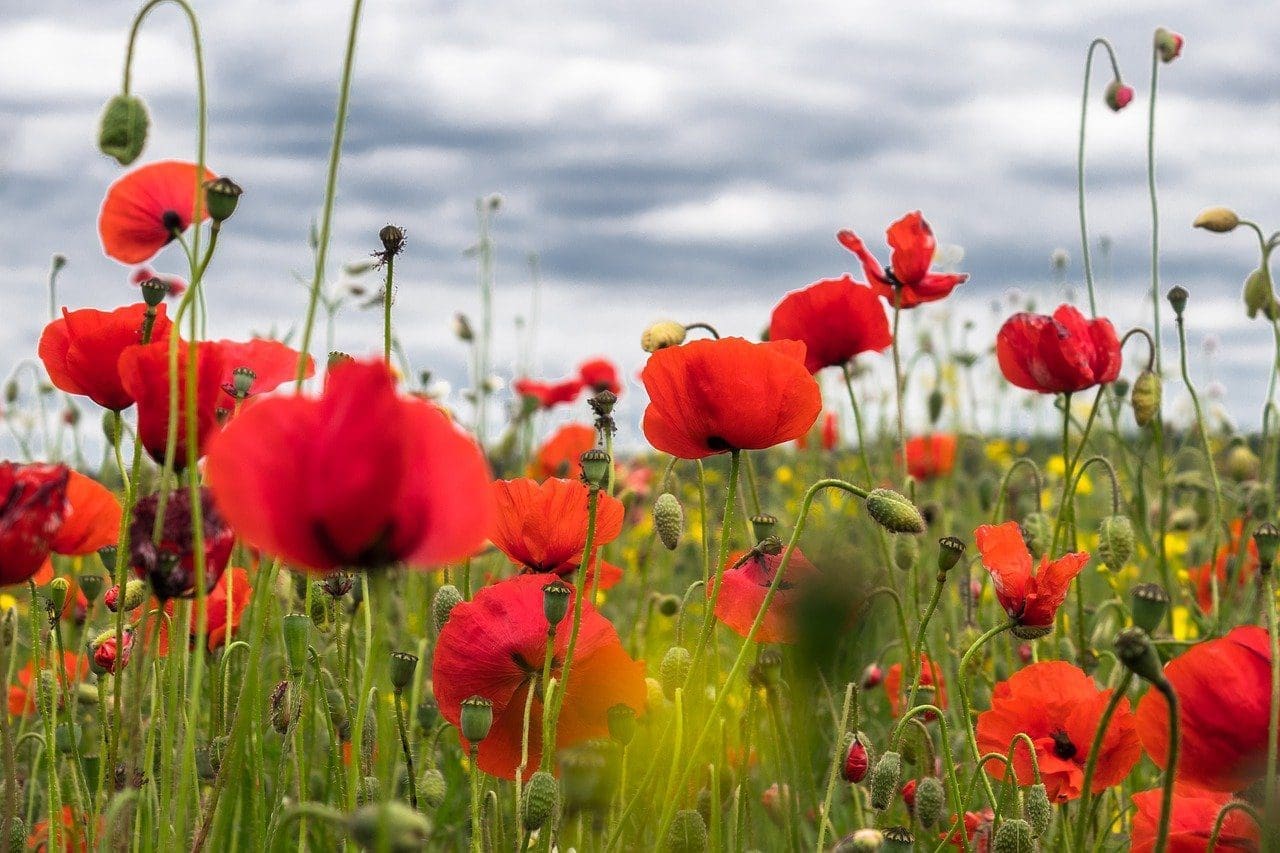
[1171, 766]
[1091, 763]
[965, 712]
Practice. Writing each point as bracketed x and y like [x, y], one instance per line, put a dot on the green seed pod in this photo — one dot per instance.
[1038, 811]
[906, 551]
[221, 196]
[58, 590]
[931, 801]
[1150, 604]
[432, 788]
[91, 586]
[622, 723]
[668, 519]
[1145, 398]
[403, 665]
[894, 512]
[899, 839]
[391, 826]
[555, 601]
[688, 833]
[1138, 653]
[541, 795]
[595, 467]
[1037, 531]
[884, 780]
[122, 131]
[368, 790]
[674, 669]
[447, 597]
[1115, 541]
[950, 550]
[476, 718]
[1013, 836]
[1267, 538]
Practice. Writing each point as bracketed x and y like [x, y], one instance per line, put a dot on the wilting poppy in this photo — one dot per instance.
[712, 396]
[746, 580]
[547, 395]
[144, 371]
[358, 478]
[494, 646]
[542, 527]
[930, 679]
[930, 456]
[1202, 575]
[33, 507]
[144, 209]
[93, 517]
[1030, 599]
[1224, 706]
[81, 349]
[828, 431]
[22, 698]
[174, 286]
[170, 564]
[1058, 354]
[1059, 707]
[558, 456]
[907, 278]
[836, 318]
[222, 621]
[271, 362]
[599, 374]
[1195, 810]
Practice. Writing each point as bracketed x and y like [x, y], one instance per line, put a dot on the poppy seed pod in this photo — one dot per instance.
[595, 467]
[297, 636]
[1177, 297]
[1267, 538]
[668, 519]
[884, 780]
[476, 719]
[446, 598]
[1013, 836]
[622, 723]
[389, 825]
[1150, 604]
[930, 801]
[1219, 220]
[432, 788]
[154, 290]
[674, 669]
[856, 760]
[540, 797]
[91, 586]
[1037, 530]
[1115, 541]
[392, 238]
[1138, 653]
[403, 666]
[221, 195]
[763, 525]
[688, 833]
[122, 131]
[1118, 95]
[906, 551]
[662, 334]
[899, 839]
[894, 512]
[555, 602]
[58, 589]
[950, 550]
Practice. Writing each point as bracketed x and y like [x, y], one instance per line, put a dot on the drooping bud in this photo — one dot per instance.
[865, 840]
[1038, 811]
[674, 669]
[446, 598]
[688, 833]
[1150, 603]
[122, 131]
[950, 550]
[1258, 295]
[1242, 463]
[1168, 44]
[1013, 836]
[1118, 95]
[1267, 538]
[930, 801]
[894, 512]
[476, 718]
[884, 780]
[1037, 530]
[221, 195]
[389, 825]
[540, 796]
[1177, 297]
[1138, 653]
[106, 656]
[856, 760]
[906, 551]
[1219, 220]
[555, 602]
[899, 839]
[297, 636]
[668, 519]
[595, 467]
[1115, 541]
[662, 334]
[432, 788]
[668, 605]
[403, 666]
[622, 723]
[135, 593]
[872, 676]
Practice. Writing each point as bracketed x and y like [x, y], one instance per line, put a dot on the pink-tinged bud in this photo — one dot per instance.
[1024, 652]
[856, 761]
[1168, 44]
[107, 657]
[773, 800]
[1118, 95]
[872, 676]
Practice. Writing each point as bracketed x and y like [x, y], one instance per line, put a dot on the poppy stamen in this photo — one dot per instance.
[172, 222]
[1062, 745]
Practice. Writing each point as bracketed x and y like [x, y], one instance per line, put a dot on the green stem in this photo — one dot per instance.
[386, 310]
[836, 762]
[709, 615]
[1091, 763]
[1084, 112]
[1170, 768]
[1155, 207]
[965, 712]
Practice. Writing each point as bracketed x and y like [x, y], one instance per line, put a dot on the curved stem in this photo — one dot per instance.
[963, 685]
[1155, 207]
[1084, 112]
[1091, 763]
[1170, 768]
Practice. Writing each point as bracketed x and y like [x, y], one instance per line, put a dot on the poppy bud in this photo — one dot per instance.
[668, 605]
[1115, 541]
[446, 598]
[872, 676]
[540, 796]
[1242, 463]
[1258, 295]
[688, 833]
[58, 589]
[221, 195]
[106, 657]
[297, 635]
[1013, 836]
[906, 551]
[595, 467]
[432, 788]
[935, 406]
[865, 840]
[403, 666]
[1037, 809]
[662, 334]
[368, 790]
[1037, 530]
[854, 767]
[668, 519]
[1177, 297]
[476, 718]
[389, 825]
[278, 707]
[135, 592]
[555, 602]
[1150, 603]
[1168, 44]
[899, 839]
[1145, 398]
[1219, 220]
[674, 669]
[894, 512]
[1267, 538]
[338, 713]
[1118, 95]
[122, 131]
[930, 801]
[1138, 653]
[392, 238]
[8, 627]
[950, 550]
[622, 723]
[884, 780]
[763, 525]
[462, 328]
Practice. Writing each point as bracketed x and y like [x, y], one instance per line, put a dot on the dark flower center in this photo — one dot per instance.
[172, 221]
[1062, 745]
[718, 444]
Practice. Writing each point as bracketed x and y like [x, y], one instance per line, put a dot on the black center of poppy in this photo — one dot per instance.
[1062, 746]
[718, 444]
[891, 278]
[172, 221]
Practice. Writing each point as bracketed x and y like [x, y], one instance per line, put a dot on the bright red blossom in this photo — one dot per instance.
[1030, 599]
[144, 371]
[272, 363]
[599, 374]
[81, 349]
[908, 278]
[93, 519]
[1058, 354]
[33, 505]
[1194, 812]
[836, 319]
[221, 621]
[930, 456]
[747, 577]
[146, 207]
[548, 395]
[22, 698]
[558, 456]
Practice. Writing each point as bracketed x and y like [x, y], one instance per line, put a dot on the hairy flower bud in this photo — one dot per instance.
[662, 334]
[391, 826]
[884, 780]
[541, 795]
[865, 840]
[856, 760]
[278, 707]
[1242, 463]
[122, 131]
[1145, 398]
[432, 788]
[668, 519]
[1168, 44]
[1013, 836]
[1258, 295]
[1115, 541]
[446, 598]
[930, 801]
[674, 669]
[894, 512]
[1038, 811]
[1118, 95]
[1219, 220]
[58, 590]
[906, 551]
[135, 593]
[1138, 653]
[688, 833]
[297, 636]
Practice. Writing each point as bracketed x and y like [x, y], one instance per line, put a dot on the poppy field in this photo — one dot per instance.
[302, 601]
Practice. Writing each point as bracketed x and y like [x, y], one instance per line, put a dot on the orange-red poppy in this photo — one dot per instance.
[144, 371]
[359, 478]
[33, 511]
[1202, 575]
[836, 318]
[73, 837]
[930, 456]
[547, 395]
[908, 277]
[494, 646]
[599, 374]
[1224, 706]
[713, 396]
[558, 456]
[1031, 599]
[81, 349]
[146, 208]
[1195, 810]
[22, 698]
[930, 677]
[93, 520]
[747, 578]
[272, 363]
[542, 527]
[1058, 354]
[1059, 707]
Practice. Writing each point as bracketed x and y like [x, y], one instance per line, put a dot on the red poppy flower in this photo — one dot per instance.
[1195, 811]
[599, 374]
[1031, 599]
[93, 517]
[747, 578]
[359, 478]
[908, 278]
[22, 698]
[1203, 574]
[175, 285]
[930, 456]
[1058, 354]
[836, 318]
[144, 371]
[494, 646]
[547, 395]
[1059, 707]
[73, 837]
[32, 509]
[711, 396]
[558, 456]
[930, 676]
[222, 622]
[170, 564]
[977, 829]
[542, 527]
[145, 208]
[80, 350]
[106, 654]
[272, 363]
[1224, 705]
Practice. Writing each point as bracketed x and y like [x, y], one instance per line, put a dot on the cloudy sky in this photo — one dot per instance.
[664, 159]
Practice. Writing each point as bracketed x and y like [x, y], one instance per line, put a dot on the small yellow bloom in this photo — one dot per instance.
[784, 474]
[1184, 627]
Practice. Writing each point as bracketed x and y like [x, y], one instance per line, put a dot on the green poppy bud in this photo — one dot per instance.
[58, 590]
[1258, 295]
[935, 406]
[884, 780]
[1115, 541]
[668, 519]
[1177, 297]
[541, 795]
[122, 131]
[1013, 836]
[1038, 810]
[688, 833]
[390, 825]
[297, 636]
[674, 669]
[906, 551]
[446, 598]
[931, 801]
[1145, 398]
[669, 605]
[1037, 531]
[432, 788]
[894, 512]
[1138, 653]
